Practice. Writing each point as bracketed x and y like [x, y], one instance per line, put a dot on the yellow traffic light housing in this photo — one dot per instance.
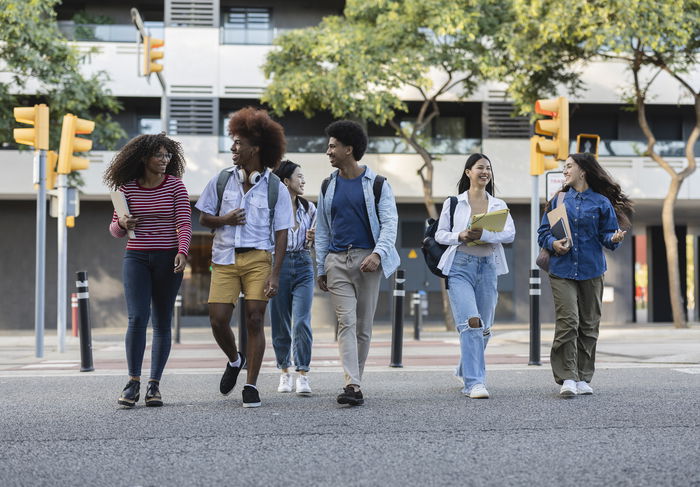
[557, 127]
[73, 125]
[37, 137]
[51, 169]
[538, 162]
[588, 143]
[150, 55]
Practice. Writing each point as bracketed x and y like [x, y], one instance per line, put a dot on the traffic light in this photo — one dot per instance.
[588, 143]
[538, 162]
[557, 127]
[150, 55]
[38, 115]
[73, 125]
[51, 169]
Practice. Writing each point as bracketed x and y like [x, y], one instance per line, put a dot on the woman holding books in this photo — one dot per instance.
[472, 263]
[290, 310]
[147, 170]
[595, 210]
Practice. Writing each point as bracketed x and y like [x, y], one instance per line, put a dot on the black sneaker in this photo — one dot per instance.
[251, 397]
[153, 398]
[130, 394]
[228, 380]
[351, 397]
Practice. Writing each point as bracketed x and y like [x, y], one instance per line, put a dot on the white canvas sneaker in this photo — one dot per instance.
[583, 389]
[285, 383]
[303, 387]
[568, 388]
[479, 392]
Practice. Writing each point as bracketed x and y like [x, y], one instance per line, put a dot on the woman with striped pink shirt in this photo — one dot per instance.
[148, 171]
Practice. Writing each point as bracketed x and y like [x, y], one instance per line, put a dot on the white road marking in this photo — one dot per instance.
[689, 371]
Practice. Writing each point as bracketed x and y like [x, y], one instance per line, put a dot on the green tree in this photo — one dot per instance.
[551, 41]
[356, 65]
[40, 66]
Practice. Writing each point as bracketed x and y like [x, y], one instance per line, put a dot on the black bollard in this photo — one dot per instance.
[418, 315]
[177, 312]
[397, 325]
[84, 312]
[242, 330]
[535, 317]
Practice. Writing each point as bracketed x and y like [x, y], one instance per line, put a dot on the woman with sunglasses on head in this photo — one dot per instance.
[290, 310]
[148, 171]
[472, 263]
[596, 208]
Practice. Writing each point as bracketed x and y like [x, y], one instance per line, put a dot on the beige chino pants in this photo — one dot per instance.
[354, 296]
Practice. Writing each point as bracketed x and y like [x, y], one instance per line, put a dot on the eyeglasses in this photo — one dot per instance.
[163, 156]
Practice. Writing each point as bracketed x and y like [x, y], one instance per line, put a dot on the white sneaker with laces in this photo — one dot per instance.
[583, 389]
[568, 388]
[285, 383]
[303, 388]
[479, 392]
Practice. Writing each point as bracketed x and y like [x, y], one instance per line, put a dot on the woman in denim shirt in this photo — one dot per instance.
[472, 270]
[594, 206]
[290, 310]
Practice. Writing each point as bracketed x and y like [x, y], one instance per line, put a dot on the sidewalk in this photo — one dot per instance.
[618, 346]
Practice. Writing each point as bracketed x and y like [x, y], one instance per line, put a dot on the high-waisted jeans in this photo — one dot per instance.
[150, 287]
[291, 308]
[473, 291]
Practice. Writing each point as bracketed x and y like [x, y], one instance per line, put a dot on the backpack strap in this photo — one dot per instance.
[453, 206]
[560, 198]
[377, 190]
[304, 202]
[273, 189]
[324, 186]
[221, 182]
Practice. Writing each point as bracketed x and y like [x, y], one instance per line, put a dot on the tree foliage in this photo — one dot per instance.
[35, 58]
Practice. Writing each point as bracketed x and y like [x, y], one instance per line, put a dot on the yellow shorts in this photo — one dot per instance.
[249, 274]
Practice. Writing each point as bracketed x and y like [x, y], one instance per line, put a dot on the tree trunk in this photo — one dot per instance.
[671, 241]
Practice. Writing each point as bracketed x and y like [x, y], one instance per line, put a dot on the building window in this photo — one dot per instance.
[247, 25]
[150, 125]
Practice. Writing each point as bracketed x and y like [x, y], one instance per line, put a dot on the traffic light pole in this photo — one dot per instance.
[62, 265]
[535, 280]
[39, 290]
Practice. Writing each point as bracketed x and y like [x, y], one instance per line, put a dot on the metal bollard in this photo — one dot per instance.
[84, 311]
[242, 330]
[176, 317]
[416, 305]
[74, 313]
[397, 325]
[535, 317]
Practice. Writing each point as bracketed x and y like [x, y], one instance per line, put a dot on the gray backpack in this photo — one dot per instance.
[273, 187]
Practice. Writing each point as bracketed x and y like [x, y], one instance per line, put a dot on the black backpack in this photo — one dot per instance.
[432, 251]
[376, 189]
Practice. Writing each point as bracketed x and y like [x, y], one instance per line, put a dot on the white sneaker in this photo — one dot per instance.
[285, 383]
[568, 388]
[583, 389]
[479, 392]
[303, 387]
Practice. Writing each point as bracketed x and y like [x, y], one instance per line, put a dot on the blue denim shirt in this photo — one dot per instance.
[593, 222]
[384, 233]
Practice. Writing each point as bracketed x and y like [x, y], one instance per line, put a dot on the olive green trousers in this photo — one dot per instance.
[577, 307]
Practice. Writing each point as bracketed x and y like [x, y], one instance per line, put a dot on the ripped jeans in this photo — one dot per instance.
[473, 291]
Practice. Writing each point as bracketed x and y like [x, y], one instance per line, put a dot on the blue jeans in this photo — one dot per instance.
[293, 304]
[473, 291]
[150, 287]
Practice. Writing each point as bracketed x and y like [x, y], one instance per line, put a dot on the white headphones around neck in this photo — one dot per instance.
[253, 178]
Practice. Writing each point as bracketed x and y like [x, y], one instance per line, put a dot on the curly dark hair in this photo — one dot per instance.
[128, 163]
[601, 182]
[261, 131]
[349, 133]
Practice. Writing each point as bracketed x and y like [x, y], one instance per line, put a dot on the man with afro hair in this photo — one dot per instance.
[355, 243]
[244, 241]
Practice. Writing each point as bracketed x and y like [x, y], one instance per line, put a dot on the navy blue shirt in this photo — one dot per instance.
[349, 221]
[593, 222]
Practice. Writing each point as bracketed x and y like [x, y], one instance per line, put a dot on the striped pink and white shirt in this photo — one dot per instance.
[164, 216]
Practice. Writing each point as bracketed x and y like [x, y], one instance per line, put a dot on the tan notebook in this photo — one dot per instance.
[121, 207]
[559, 213]
[493, 221]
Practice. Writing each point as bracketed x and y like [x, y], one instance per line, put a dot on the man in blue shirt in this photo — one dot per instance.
[355, 238]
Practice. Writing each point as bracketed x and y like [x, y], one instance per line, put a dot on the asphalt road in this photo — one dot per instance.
[641, 427]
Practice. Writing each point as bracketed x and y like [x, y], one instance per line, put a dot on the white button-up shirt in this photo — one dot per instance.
[256, 231]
